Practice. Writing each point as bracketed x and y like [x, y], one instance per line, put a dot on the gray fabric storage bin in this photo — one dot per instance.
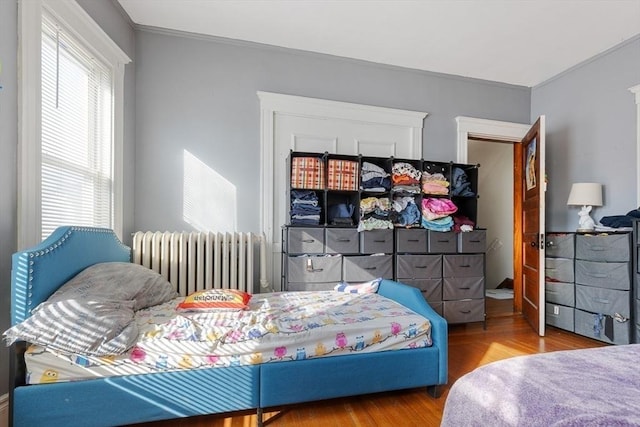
[472, 241]
[609, 248]
[411, 240]
[603, 300]
[462, 311]
[431, 288]
[441, 242]
[314, 269]
[560, 293]
[303, 240]
[612, 275]
[341, 241]
[418, 266]
[559, 316]
[559, 270]
[376, 241]
[454, 288]
[463, 265]
[363, 268]
[585, 325]
[560, 245]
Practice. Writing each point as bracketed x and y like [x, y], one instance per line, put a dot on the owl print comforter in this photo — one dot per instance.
[283, 326]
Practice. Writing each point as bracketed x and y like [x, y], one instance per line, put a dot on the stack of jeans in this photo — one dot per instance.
[304, 207]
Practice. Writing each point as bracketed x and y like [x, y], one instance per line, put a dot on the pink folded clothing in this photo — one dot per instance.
[439, 206]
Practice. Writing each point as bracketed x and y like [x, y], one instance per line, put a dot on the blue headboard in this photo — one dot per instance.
[38, 271]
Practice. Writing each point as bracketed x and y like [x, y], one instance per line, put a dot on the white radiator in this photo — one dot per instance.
[194, 261]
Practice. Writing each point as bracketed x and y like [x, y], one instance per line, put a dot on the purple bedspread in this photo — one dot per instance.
[591, 387]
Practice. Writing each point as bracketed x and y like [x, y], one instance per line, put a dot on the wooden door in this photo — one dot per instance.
[529, 206]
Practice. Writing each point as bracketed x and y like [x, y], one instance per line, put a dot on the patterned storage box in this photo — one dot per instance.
[307, 172]
[342, 175]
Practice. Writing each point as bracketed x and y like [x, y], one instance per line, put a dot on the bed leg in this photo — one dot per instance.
[434, 391]
[259, 422]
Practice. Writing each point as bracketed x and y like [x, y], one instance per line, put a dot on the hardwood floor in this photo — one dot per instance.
[506, 335]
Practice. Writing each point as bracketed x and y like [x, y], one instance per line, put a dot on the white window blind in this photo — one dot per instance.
[77, 186]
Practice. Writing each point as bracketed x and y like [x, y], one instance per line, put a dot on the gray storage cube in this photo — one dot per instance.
[314, 269]
[463, 265]
[431, 288]
[303, 240]
[411, 240]
[560, 245]
[418, 266]
[462, 311]
[559, 316]
[376, 241]
[560, 293]
[472, 241]
[601, 247]
[559, 269]
[602, 300]
[585, 324]
[441, 242]
[462, 288]
[341, 241]
[365, 268]
[612, 275]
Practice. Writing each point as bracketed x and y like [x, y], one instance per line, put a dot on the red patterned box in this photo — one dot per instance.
[307, 172]
[342, 175]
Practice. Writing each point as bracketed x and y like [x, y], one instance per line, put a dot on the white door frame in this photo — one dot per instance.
[636, 90]
[273, 104]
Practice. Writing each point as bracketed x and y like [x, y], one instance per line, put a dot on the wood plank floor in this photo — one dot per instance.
[506, 335]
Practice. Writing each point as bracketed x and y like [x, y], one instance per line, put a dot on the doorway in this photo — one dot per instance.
[491, 144]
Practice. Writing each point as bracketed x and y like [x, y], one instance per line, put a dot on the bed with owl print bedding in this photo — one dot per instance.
[97, 340]
[275, 327]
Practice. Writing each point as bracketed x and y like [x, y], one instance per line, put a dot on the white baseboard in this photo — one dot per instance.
[4, 410]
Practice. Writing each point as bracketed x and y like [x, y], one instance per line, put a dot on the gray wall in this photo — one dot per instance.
[199, 95]
[109, 16]
[591, 133]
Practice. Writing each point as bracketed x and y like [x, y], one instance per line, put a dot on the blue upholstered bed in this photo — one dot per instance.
[119, 400]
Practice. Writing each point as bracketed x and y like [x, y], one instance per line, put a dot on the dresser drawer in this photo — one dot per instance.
[559, 269]
[365, 268]
[560, 293]
[341, 241]
[301, 240]
[594, 326]
[560, 245]
[613, 275]
[431, 288]
[441, 242]
[376, 241]
[437, 307]
[462, 288]
[472, 241]
[294, 286]
[559, 316]
[602, 300]
[314, 269]
[462, 311]
[609, 248]
[413, 240]
[418, 266]
[462, 265]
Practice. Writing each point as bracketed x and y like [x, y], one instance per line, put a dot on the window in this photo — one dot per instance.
[70, 156]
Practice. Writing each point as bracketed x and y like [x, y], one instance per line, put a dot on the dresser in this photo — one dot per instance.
[603, 286]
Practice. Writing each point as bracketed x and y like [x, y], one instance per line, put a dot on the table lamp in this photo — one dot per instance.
[587, 195]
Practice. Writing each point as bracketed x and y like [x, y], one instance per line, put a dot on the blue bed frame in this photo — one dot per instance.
[39, 271]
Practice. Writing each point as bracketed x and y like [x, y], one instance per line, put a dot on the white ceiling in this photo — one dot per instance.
[522, 42]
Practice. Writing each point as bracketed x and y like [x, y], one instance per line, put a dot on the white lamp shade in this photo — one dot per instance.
[585, 194]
